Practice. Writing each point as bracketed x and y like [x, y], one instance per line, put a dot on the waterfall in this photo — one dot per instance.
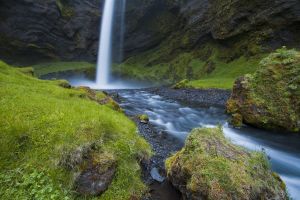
[105, 51]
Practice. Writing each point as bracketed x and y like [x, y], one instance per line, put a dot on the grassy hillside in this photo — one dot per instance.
[210, 66]
[41, 123]
[54, 67]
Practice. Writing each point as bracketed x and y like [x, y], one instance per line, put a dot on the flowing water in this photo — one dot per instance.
[105, 43]
[113, 13]
[178, 119]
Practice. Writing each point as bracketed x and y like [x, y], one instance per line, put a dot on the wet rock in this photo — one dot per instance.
[270, 98]
[95, 180]
[210, 167]
[156, 175]
[93, 169]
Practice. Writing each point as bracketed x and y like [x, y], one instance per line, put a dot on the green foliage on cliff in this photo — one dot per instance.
[208, 67]
[270, 98]
[42, 122]
[65, 9]
[210, 167]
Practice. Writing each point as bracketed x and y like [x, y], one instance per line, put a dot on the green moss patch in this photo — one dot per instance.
[210, 167]
[41, 122]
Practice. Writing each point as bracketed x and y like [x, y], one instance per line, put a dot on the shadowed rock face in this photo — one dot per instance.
[69, 29]
[64, 29]
[225, 19]
[91, 182]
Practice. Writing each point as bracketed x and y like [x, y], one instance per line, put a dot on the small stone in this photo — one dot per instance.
[156, 176]
[144, 118]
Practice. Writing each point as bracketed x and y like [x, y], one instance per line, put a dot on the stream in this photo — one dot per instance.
[175, 119]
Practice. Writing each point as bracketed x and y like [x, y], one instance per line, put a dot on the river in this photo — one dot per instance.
[179, 118]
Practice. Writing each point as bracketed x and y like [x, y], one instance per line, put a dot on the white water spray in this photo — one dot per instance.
[105, 44]
[110, 49]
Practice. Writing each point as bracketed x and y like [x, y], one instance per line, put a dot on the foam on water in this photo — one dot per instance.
[178, 120]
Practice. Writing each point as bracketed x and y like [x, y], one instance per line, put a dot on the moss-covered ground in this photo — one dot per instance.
[42, 121]
[54, 67]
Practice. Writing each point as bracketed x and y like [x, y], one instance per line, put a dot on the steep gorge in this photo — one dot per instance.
[68, 29]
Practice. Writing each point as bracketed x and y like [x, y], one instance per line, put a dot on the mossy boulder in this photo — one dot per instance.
[210, 167]
[99, 97]
[143, 118]
[270, 98]
[181, 84]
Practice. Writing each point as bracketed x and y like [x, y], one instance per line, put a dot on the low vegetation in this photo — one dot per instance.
[43, 123]
[55, 67]
[210, 167]
[211, 66]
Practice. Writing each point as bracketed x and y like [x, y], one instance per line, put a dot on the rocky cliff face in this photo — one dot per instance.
[64, 29]
[225, 19]
[69, 29]
[239, 24]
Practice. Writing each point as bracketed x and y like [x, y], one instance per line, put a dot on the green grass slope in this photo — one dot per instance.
[211, 66]
[42, 122]
[54, 67]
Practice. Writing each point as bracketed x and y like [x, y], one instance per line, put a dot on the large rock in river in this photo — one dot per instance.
[270, 98]
[210, 167]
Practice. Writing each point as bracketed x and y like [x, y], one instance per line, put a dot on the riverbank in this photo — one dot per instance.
[163, 143]
[200, 97]
[59, 142]
[173, 120]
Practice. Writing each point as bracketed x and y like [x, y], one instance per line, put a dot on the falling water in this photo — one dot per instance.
[110, 50]
[106, 40]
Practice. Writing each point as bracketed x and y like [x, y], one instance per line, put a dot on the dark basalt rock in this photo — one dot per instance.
[36, 30]
[223, 19]
[33, 31]
[94, 170]
[93, 182]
